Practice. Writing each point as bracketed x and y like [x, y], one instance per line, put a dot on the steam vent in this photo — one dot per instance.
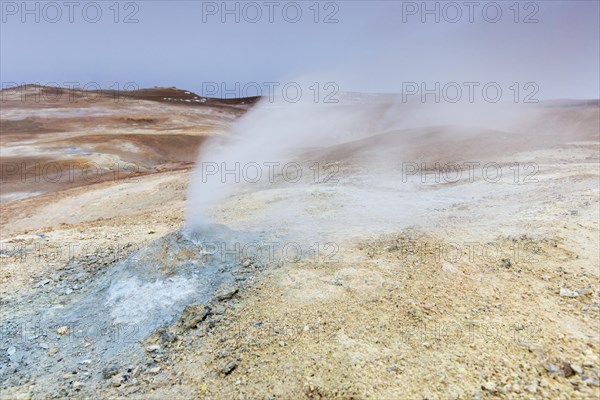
[300, 200]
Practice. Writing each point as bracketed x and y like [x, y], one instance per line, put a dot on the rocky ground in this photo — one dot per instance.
[487, 291]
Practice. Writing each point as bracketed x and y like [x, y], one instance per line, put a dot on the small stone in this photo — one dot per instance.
[152, 348]
[154, 370]
[489, 386]
[43, 283]
[531, 388]
[193, 314]
[551, 368]
[219, 309]
[544, 383]
[577, 369]
[227, 293]
[116, 381]
[281, 343]
[247, 263]
[109, 372]
[223, 354]
[567, 370]
[167, 337]
[568, 293]
[63, 330]
[229, 367]
[53, 351]
[11, 350]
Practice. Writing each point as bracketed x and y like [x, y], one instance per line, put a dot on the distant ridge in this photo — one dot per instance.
[171, 95]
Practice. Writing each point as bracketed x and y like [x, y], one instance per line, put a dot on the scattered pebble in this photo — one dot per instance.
[577, 369]
[568, 293]
[551, 368]
[152, 348]
[229, 367]
[227, 292]
[109, 372]
[567, 370]
[193, 314]
[531, 388]
[116, 381]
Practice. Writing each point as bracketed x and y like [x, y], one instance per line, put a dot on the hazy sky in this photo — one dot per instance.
[374, 45]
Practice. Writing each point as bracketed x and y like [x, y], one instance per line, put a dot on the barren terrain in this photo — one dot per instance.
[457, 289]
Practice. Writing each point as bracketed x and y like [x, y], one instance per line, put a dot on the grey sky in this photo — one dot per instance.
[375, 45]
